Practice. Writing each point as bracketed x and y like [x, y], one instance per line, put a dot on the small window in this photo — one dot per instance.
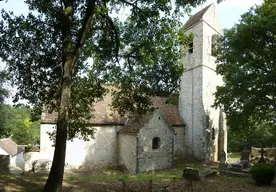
[156, 143]
[207, 121]
[213, 134]
[191, 47]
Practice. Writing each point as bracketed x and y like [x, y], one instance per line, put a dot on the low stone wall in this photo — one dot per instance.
[269, 154]
[30, 157]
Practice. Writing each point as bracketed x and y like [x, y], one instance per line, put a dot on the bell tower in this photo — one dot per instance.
[205, 132]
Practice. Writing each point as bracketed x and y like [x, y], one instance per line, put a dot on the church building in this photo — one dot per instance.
[152, 141]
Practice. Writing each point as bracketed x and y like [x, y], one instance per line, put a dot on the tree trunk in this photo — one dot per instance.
[69, 58]
[54, 182]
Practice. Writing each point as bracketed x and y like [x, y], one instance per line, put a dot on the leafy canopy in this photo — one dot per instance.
[247, 60]
[138, 53]
[15, 122]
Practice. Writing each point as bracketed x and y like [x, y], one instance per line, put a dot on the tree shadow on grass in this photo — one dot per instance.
[26, 183]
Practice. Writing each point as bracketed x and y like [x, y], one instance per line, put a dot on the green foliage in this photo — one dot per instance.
[246, 60]
[139, 54]
[17, 124]
[3, 91]
[262, 173]
[254, 134]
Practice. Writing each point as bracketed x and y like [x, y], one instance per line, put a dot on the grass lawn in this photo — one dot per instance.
[235, 155]
[110, 180]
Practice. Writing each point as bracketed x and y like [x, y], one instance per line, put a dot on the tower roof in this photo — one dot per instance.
[196, 17]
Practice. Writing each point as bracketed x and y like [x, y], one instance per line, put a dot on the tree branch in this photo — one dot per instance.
[134, 5]
[85, 27]
[117, 39]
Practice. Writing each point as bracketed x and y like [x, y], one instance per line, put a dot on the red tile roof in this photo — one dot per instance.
[10, 146]
[169, 112]
[103, 113]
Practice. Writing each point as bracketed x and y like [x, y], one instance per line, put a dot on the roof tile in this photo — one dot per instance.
[10, 146]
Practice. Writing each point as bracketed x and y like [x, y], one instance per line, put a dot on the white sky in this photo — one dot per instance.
[229, 12]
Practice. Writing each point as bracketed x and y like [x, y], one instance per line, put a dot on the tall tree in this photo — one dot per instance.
[247, 60]
[47, 54]
[3, 94]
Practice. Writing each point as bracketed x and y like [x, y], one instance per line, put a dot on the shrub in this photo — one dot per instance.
[263, 174]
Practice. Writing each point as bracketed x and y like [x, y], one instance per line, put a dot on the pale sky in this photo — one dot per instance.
[229, 12]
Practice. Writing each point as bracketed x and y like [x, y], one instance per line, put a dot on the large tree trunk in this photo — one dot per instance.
[54, 182]
[69, 58]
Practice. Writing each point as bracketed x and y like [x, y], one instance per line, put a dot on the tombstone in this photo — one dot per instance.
[222, 158]
[262, 159]
[191, 174]
[243, 163]
[245, 155]
[208, 173]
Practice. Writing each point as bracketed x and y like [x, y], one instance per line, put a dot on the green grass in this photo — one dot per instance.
[35, 182]
[235, 156]
[166, 175]
[113, 175]
[26, 182]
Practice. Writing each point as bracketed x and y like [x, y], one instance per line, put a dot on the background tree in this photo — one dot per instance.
[17, 124]
[255, 134]
[47, 54]
[247, 60]
[3, 94]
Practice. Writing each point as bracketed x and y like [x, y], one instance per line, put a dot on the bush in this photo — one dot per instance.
[263, 174]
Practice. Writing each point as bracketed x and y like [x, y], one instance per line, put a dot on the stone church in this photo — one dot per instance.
[152, 141]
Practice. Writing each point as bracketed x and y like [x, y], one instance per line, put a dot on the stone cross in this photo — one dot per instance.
[262, 159]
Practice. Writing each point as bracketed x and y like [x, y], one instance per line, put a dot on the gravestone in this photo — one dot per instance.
[245, 155]
[191, 174]
[243, 163]
[208, 173]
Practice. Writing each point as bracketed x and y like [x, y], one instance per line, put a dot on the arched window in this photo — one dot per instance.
[155, 143]
[213, 134]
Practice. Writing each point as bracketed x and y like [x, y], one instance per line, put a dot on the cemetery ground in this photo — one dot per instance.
[111, 180]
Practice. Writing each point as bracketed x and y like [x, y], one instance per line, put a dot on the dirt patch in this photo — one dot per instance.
[217, 184]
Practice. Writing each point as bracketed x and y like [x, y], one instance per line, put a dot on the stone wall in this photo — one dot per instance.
[96, 153]
[155, 159]
[127, 151]
[198, 85]
[18, 161]
[210, 81]
[30, 157]
[179, 142]
[191, 101]
[269, 154]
